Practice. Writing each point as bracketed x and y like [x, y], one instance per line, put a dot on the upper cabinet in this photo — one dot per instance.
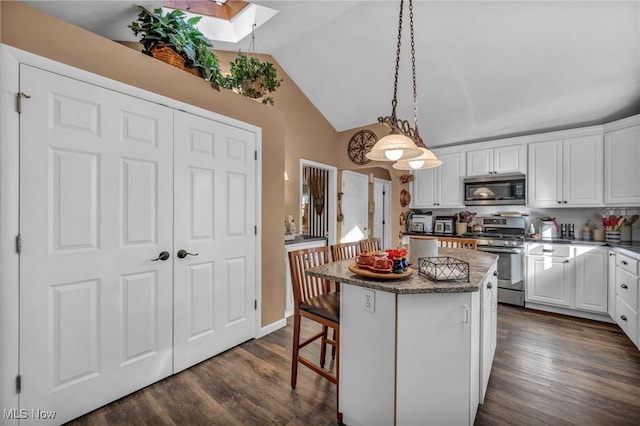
[496, 160]
[622, 162]
[566, 172]
[440, 186]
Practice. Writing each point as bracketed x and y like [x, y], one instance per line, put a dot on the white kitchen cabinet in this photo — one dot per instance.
[288, 289]
[566, 173]
[591, 278]
[572, 277]
[440, 186]
[627, 293]
[497, 160]
[621, 165]
[549, 280]
[611, 284]
[439, 331]
[488, 327]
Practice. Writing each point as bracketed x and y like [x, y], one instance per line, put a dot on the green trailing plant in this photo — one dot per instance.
[252, 78]
[180, 35]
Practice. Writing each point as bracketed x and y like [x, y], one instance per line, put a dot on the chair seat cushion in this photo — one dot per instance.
[325, 305]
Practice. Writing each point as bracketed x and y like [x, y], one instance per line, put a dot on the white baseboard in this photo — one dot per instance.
[571, 312]
[271, 328]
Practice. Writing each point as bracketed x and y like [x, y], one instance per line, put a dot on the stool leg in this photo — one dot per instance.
[323, 345]
[295, 349]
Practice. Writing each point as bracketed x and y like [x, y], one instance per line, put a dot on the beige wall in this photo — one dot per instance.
[36, 32]
[292, 130]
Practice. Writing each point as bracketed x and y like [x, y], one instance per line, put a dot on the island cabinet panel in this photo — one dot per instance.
[367, 356]
[437, 358]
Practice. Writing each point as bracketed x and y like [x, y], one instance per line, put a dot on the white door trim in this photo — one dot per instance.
[10, 59]
[333, 195]
[386, 233]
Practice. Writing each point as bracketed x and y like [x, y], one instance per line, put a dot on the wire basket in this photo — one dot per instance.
[443, 268]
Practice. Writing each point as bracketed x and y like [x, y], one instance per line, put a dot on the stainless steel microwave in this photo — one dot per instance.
[495, 190]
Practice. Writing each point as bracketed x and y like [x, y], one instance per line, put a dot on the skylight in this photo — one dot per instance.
[224, 22]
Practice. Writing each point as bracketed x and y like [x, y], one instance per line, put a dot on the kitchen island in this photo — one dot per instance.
[415, 351]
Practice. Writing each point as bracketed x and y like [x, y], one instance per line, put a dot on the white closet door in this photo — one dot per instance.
[214, 208]
[95, 209]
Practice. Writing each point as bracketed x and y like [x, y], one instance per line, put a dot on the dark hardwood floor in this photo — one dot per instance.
[548, 370]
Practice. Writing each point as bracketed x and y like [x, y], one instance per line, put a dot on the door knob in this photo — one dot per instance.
[183, 253]
[164, 255]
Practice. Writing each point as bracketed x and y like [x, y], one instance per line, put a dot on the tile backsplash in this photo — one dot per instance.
[578, 216]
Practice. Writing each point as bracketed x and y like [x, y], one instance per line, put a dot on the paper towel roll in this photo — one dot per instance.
[422, 247]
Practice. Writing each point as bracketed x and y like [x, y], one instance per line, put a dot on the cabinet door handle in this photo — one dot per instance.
[466, 315]
[624, 286]
[624, 262]
[183, 253]
[559, 202]
[495, 273]
[623, 317]
[164, 255]
[547, 250]
[565, 261]
[489, 285]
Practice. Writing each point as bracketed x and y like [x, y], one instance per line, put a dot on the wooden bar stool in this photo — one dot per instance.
[313, 300]
[371, 244]
[342, 251]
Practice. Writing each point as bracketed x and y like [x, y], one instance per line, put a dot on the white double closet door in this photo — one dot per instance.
[107, 183]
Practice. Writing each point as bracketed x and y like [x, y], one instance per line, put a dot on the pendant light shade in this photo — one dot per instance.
[403, 144]
[393, 147]
[426, 160]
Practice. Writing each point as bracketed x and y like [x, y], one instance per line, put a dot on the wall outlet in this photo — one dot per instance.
[369, 301]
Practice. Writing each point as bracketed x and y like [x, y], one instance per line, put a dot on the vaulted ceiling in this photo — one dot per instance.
[486, 69]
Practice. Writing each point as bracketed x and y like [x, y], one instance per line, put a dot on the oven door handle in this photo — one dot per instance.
[500, 250]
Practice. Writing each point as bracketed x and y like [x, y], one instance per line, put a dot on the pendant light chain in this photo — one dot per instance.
[413, 71]
[403, 144]
[394, 102]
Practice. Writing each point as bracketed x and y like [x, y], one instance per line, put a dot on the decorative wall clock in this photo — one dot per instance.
[359, 144]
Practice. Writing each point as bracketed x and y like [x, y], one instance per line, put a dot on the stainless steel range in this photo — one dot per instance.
[504, 236]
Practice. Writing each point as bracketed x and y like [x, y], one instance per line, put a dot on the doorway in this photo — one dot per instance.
[355, 201]
[318, 192]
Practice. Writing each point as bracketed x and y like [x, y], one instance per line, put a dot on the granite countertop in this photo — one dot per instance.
[303, 239]
[479, 264]
[630, 246]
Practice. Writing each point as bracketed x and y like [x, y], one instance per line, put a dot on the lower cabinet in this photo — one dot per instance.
[288, 289]
[611, 285]
[488, 327]
[415, 358]
[627, 293]
[568, 276]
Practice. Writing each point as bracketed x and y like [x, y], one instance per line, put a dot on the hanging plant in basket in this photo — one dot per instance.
[177, 42]
[251, 77]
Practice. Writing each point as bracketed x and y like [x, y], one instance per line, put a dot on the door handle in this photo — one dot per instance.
[489, 285]
[624, 286]
[183, 253]
[164, 255]
[466, 315]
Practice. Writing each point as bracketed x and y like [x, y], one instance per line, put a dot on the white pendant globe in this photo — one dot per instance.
[426, 160]
[393, 147]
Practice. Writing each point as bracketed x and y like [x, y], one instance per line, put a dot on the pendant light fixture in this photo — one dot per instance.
[403, 143]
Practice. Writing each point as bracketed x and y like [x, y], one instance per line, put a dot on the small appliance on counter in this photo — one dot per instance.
[444, 225]
[422, 223]
[548, 228]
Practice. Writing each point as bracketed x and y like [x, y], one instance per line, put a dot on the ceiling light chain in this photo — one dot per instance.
[403, 144]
